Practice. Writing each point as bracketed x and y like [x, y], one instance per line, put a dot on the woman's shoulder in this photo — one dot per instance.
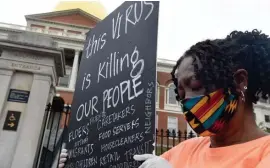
[187, 145]
[263, 143]
[193, 142]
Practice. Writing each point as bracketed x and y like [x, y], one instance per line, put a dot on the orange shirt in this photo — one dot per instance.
[196, 153]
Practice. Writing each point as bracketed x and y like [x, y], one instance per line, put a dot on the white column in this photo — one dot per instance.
[5, 79]
[74, 70]
[30, 132]
[7, 138]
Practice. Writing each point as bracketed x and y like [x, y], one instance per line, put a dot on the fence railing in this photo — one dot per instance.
[53, 133]
[166, 139]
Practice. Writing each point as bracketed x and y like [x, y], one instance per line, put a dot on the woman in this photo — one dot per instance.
[217, 83]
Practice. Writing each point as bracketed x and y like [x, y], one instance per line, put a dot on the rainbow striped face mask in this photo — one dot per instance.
[208, 114]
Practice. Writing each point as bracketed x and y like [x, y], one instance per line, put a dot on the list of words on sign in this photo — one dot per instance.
[113, 110]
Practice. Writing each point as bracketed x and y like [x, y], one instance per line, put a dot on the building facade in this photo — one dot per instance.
[68, 25]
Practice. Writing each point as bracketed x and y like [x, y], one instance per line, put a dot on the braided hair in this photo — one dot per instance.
[222, 57]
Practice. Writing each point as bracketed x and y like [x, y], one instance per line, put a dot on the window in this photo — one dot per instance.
[156, 121]
[157, 93]
[172, 124]
[37, 28]
[69, 59]
[64, 81]
[267, 118]
[171, 104]
[74, 32]
[56, 31]
[171, 99]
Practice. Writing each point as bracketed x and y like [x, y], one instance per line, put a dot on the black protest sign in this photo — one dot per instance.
[113, 110]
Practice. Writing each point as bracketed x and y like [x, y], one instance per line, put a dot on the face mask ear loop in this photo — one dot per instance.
[243, 95]
[182, 105]
[208, 98]
[227, 93]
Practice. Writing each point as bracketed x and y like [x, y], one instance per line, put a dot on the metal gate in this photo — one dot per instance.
[53, 133]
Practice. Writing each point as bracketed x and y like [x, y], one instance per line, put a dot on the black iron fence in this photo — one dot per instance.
[53, 132]
[166, 139]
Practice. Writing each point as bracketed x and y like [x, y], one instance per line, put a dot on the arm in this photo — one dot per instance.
[166, 155]
[174, 151]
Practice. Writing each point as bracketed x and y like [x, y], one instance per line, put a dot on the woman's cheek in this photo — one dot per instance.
[181, 93]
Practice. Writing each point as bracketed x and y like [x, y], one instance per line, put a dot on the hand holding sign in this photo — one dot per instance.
[152, 161]
[63, 158]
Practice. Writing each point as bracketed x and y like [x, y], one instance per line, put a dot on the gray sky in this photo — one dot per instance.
[182, 22]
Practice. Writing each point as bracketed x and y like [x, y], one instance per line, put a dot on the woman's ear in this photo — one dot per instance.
[241, 81]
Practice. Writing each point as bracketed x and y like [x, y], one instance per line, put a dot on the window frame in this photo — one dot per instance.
[68, 69]
[168, 95]
[156, 119]
[176, 108]
[157, 94]
[267, 118]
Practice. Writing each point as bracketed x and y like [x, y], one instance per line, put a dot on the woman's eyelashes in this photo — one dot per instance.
[187, 85]
[192, 84]
[195, 89]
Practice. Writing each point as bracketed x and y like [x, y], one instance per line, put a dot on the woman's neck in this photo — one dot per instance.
[244, 131]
